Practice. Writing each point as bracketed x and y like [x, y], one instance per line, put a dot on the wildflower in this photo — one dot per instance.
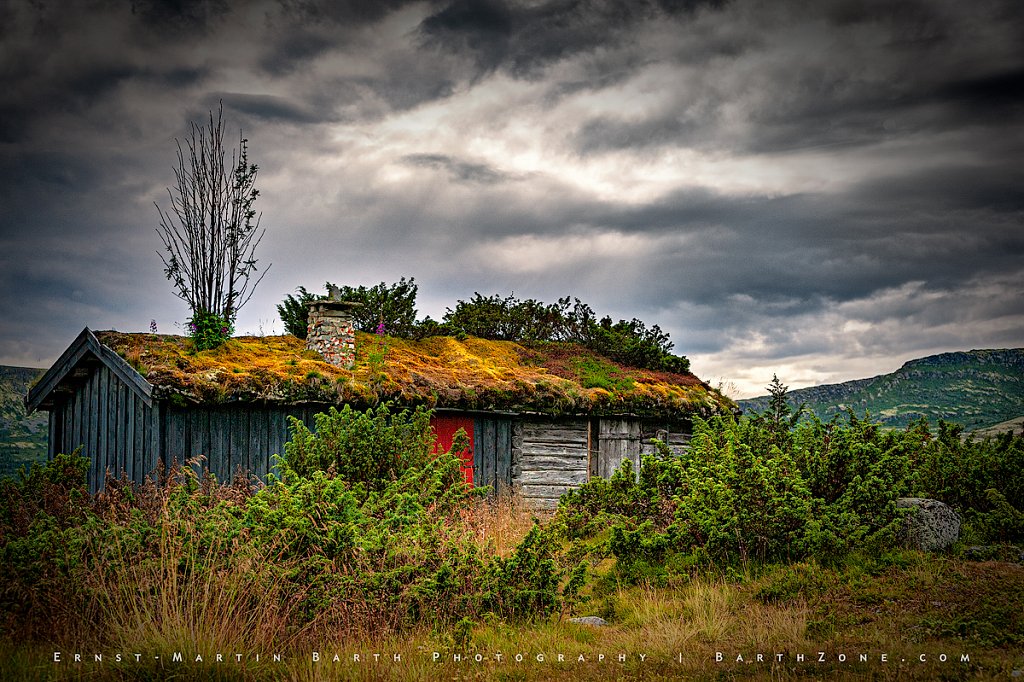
[380, 328]
[152, 326]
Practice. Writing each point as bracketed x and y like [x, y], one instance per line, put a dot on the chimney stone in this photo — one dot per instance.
[331, 333]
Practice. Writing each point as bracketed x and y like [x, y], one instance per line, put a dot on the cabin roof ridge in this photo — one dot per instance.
[84, 345]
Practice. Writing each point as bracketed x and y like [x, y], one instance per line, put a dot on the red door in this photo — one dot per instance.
[445, 427]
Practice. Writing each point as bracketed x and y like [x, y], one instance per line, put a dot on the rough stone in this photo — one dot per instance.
[931, 525]
[331, 333]
[589, 620]
[994, 553]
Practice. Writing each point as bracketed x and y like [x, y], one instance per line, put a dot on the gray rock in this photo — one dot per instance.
[589, 620]
[981, 552]
[994, 553]
[931, 525]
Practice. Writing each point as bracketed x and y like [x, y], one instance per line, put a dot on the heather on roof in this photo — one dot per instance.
[475, 374]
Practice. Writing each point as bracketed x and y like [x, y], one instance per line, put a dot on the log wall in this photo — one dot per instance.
[552, 459]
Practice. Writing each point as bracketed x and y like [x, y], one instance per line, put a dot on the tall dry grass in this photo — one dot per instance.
[499, 522]
[196, 590]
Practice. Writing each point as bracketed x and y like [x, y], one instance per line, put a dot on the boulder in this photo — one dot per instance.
[931, 525]
[995, 553]
[589, 620]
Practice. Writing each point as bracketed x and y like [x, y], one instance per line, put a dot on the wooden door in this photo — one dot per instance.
[445, 427]
[618, 439]
[492, 452]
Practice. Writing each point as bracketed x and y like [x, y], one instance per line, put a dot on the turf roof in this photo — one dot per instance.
[472, 374]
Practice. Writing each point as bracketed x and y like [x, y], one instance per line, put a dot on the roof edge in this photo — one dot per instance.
[84, 344]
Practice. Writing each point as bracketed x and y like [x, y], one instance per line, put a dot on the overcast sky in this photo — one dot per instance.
[820, 189]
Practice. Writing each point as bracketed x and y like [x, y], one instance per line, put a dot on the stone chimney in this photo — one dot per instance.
[331, 332]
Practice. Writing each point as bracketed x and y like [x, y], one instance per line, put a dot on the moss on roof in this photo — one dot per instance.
[473, 374]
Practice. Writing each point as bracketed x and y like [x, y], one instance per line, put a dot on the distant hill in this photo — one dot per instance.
[978, 389]
[22, 438]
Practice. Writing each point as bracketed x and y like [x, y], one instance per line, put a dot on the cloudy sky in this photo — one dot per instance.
[820, 189]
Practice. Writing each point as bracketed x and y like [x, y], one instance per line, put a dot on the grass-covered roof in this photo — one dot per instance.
[472, 374]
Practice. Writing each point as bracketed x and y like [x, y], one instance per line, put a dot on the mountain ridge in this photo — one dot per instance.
[978, 389]
[22, 436]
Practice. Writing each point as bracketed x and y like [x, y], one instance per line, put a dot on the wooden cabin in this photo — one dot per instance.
[540, 422]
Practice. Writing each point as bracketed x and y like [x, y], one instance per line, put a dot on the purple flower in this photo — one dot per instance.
[380, 328]
[152, 326]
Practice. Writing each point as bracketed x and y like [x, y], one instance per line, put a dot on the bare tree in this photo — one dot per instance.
[212, 231]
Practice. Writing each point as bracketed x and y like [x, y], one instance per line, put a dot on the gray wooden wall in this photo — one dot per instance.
[551, 457]
[231, 438]
[119, 433]
[492, 452]
[552, 461]
[630, 438]
[114, 427]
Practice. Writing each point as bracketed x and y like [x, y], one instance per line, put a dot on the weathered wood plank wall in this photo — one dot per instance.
[110, 423]
[630, 438]
[553, 460]
[231, 438]
[492, 453]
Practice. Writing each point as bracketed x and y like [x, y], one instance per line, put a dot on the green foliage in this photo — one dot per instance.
[768, 489]
[368, 449]
[961, 471]
[393, 305]
[391, 309]
[294, 312]
[800, 580]
[363, 532]
[525, 585]
[529, 321]
[507, 319]
[745, 502]
[595, 373]
[209, 330]
[633, 343]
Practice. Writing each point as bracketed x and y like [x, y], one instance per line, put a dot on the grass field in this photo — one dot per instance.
[907, 615]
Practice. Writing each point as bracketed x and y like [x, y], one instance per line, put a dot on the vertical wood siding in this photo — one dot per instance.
[119, 433]
[630, 438]
[111, 425]
[618, 440]
[492, 453]
[231, 439]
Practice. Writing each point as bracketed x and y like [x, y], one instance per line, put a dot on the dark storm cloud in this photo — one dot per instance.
[524, 38]
[180, 17]
[995, 188]
[816, 248]
[461, 171]
[294, 50]
[339, 12]
[871, 86]
[995, 95]
[268, 108]
[768, 181]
